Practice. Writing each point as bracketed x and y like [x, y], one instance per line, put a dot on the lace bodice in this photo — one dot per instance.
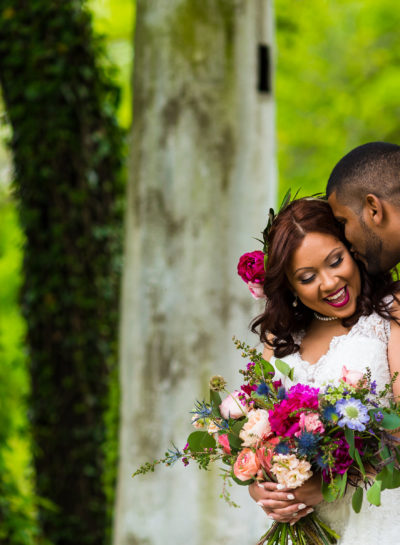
[364, 346]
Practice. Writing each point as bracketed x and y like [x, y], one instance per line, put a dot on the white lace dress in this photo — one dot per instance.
[364, 346]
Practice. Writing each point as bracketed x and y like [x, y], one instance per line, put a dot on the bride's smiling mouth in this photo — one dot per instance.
[339, 298]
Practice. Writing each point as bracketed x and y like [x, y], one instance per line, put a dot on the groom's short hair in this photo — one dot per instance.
[370, 168]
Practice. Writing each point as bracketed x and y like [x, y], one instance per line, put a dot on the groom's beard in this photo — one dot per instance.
[373, 250]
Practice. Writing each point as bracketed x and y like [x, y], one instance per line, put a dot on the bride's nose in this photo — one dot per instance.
[328, 282]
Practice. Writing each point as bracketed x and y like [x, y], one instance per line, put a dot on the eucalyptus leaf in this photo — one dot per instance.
[390, 421]
[200, 440]
[386, 478]
[283, 367]
[374, 493]
[357, 499]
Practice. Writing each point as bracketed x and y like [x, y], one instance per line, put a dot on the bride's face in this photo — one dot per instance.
[324, 275]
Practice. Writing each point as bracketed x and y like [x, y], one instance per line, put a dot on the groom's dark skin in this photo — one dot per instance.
[364, 194]
[373, 231]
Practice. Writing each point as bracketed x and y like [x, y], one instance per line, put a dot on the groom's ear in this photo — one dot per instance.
[373, 210]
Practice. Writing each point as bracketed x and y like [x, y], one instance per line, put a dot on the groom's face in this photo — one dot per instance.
[365, 243]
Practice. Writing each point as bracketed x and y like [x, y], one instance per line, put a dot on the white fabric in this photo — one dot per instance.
[364, 346]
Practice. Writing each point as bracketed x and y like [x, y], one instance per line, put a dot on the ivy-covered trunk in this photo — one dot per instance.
[67, 151]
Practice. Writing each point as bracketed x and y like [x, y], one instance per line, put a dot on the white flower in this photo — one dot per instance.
[290, 471]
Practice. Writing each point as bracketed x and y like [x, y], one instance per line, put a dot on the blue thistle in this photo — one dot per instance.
[373, 387]
[202, 409]
[321, 464]
[282, 393]
[173, 455]
[330, 413]
[263, 389]
[282, 448]
[307, 443]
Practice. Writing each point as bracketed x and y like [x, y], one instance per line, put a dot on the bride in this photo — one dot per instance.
[327, 318]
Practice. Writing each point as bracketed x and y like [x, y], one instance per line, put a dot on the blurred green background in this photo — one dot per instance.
[337, 86]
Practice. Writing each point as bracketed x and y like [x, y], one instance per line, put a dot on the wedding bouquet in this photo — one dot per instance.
[266, 432]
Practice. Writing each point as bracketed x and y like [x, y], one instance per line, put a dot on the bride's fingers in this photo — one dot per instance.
[290, 517]
[281, 510]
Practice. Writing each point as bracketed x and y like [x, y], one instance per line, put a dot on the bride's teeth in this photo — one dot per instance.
[336, 296]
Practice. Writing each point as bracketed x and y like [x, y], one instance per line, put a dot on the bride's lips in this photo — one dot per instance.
[342, 297]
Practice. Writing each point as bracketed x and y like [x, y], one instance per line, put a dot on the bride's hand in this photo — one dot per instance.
[279, 505]
[287, 505]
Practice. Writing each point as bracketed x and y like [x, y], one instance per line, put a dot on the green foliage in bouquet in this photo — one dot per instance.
[280, 431]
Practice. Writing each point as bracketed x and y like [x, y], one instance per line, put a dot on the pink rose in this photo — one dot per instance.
[251, 267]
[224, 442]
[352, 377]
[246, 465]
[256, 428]
[231, 407]
[310, 422]
[266, 453]
[256, 290]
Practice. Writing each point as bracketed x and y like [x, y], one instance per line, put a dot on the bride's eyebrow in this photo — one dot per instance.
[326, 259]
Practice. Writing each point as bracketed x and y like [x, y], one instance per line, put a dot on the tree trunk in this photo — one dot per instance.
[202, 179]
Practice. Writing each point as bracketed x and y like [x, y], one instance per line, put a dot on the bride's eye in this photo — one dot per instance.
[337, 261]
[307, 279]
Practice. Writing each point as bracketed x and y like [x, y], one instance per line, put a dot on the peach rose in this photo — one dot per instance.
[232, 407]
[256, 428]
[351, 377]
[224, 442]
[246, 465]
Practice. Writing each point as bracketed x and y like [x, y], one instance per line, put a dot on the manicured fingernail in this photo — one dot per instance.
[271, 517]
[281, 487]
[260, 503]
[293, 522]
[302, 506]
[260, 485]
[310, 510]
[290, 497]
[295, 514]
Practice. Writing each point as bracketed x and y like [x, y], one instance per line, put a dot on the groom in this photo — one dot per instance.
[364, 193]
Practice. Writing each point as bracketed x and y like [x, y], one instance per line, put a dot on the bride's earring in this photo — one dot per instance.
[295, 301]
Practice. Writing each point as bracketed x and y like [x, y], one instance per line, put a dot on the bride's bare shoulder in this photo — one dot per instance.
[268, 351]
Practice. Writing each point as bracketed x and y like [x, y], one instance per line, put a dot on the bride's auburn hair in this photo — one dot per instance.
[280, 322]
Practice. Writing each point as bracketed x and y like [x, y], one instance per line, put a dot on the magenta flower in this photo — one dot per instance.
[251, 267]
[341, 455]
[282, 421]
